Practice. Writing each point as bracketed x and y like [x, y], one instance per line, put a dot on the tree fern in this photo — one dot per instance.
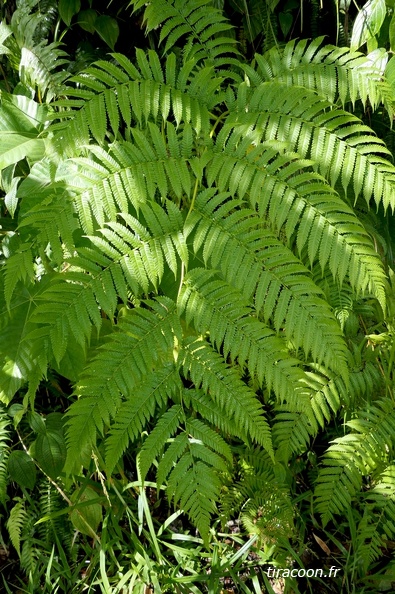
[188, 251]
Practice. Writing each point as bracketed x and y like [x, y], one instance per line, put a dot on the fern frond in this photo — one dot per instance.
[5, 425]
[261, 267]
[213, 411]
[18, 267]
[106, 185]
[15, 524]
[155, 442]
[353, 456]
[300, 418]
[260, 496]
[223, 384]
[120, 365]
[202, 27]
[291, 197]
[40, 68]
[20, 362]
[50, 504]
[213, 306]
[378, 524]
[132, 415]
[313, 127]
[194, 477]
[121, 258]
[333, 72]
[122, 96]
[211, 438]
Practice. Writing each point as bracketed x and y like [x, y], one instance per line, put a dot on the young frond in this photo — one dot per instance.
[233, 240]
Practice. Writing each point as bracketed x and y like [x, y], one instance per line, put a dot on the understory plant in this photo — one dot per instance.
[197, 310]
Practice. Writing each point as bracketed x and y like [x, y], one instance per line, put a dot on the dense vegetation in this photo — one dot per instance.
[197, 303]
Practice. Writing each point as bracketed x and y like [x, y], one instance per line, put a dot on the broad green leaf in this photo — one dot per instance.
[391, 33]
[390, 73]
[15, 351]
[54, 422]
[15, 147]
[50, 452]
[368, 22]
[22, 469]
[5, 32]
[68, 8]
[21, 121]
[286, 21]
[87, 518]
[108, 29]
[20, 114]
[11, 199]
[37, 423]
[86, 20]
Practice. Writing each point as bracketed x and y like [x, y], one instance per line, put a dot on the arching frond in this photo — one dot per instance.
[214, 306]
[251, 259]
[297, 201]
[201, 26]
[357, 454]
[333, 72]
[314, 127]
[120, 365]
[119, 96]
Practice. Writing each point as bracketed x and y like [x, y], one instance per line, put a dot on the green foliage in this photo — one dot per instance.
[194, 282]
